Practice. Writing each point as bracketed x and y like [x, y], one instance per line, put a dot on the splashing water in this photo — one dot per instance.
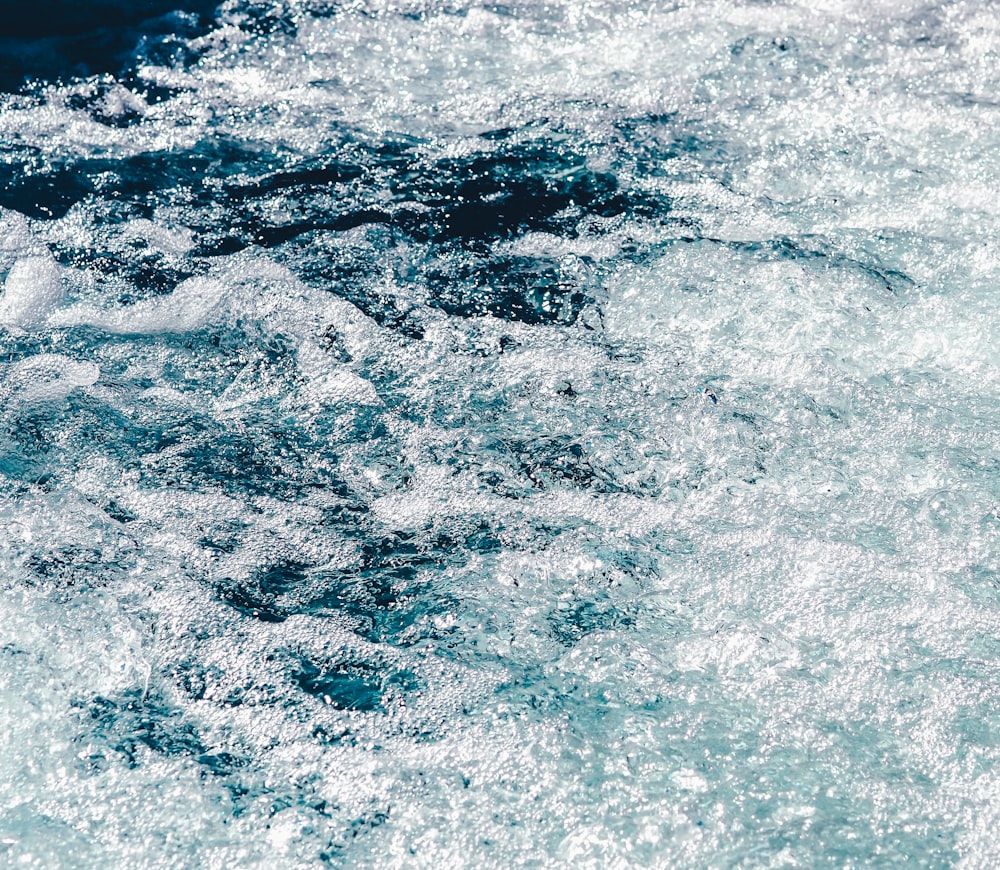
[500, 435]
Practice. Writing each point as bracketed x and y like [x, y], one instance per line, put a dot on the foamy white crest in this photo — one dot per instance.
[31, 291]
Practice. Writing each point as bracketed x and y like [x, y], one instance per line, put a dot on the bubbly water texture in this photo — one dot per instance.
[528, 434]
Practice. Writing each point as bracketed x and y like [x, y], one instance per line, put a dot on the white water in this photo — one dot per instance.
[705, 577]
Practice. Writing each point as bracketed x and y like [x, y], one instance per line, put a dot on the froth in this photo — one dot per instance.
[524, 433]
[32, 290]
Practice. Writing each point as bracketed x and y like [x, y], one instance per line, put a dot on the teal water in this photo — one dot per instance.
[488, 435]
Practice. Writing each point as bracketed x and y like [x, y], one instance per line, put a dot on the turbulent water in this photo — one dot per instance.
[448, 434]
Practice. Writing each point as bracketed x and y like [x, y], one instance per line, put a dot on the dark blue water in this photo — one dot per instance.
[500, 435]
[51, 40]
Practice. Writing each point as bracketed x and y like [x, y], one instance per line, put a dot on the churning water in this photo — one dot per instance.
[447, 434]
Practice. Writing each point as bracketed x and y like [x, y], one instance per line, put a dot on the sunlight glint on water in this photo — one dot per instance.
[501, 435]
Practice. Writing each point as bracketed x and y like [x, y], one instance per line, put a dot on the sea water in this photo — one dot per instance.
[463, 434]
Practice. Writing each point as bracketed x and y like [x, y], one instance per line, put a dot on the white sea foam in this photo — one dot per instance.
[47, 377]
[31, 291]
[304, 569]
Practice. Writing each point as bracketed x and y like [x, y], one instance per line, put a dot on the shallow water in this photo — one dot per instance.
[492, 435]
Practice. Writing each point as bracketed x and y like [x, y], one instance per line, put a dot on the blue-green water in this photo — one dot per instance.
[447, 434]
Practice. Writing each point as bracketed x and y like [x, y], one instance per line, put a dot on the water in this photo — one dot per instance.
[461, 434]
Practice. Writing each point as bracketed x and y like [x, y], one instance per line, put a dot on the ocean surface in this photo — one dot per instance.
[528, 434]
